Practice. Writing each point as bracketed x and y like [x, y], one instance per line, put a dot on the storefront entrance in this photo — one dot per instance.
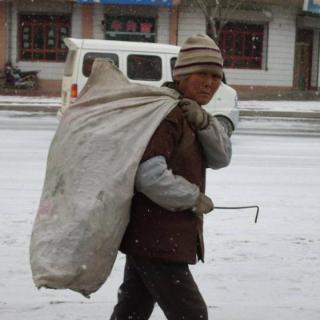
[303, 59]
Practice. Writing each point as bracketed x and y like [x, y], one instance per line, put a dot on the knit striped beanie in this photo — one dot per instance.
[199, 53]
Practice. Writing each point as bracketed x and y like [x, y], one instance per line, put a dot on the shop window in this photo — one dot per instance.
[242, 45]
[145, 68]
[41, 37]
[91, 56]
[130, 28]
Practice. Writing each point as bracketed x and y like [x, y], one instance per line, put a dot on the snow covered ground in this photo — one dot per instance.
[310, 106]
[265, 271]
[35, 100]
[300, 106]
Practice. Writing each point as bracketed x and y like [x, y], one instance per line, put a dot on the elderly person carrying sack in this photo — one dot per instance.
[164, 234]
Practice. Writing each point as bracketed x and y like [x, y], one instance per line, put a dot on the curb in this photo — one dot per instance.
[30, 108]
[243, 113]
[280, 114]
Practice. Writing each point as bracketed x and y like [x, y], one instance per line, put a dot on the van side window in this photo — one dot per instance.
[143, 67]
[89, 59]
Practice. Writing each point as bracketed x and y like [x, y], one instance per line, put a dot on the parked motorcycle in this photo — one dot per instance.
[15, 78]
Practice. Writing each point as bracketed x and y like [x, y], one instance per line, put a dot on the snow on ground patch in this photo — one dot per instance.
[30, 100]
[307, 106]
[265, 271]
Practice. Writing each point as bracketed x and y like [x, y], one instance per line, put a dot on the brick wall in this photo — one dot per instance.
[87, 21]
[174, 18]
[50, 87]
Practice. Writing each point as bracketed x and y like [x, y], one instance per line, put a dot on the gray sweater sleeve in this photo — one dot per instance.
[158, 183]
[215, 144]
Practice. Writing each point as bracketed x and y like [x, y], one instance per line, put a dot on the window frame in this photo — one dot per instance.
[259, 58]
[24, 20]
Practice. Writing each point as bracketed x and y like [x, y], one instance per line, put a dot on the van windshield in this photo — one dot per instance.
[68, 67]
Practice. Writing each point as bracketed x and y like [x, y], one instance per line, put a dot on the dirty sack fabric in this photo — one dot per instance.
[91, 166]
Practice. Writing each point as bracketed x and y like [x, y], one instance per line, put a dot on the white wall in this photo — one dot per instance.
[280, 46]
[76, 22]
[163, 25]
[280, 55]
[98, 17]
[191, 21]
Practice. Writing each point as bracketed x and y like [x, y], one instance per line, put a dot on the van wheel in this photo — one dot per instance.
[226, 124]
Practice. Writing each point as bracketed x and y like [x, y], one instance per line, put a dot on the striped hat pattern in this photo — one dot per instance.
[199, 53]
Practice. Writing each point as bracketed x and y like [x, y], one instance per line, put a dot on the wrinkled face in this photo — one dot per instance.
[199, 87]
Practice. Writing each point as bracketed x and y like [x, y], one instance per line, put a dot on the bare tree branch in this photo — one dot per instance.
[209, 19]
[218, 14]
[216, 8]
[229, 12]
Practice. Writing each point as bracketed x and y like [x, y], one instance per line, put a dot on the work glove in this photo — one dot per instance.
[203, 204]
[195, 115]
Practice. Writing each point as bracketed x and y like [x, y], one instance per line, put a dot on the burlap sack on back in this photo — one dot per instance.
[92, 161]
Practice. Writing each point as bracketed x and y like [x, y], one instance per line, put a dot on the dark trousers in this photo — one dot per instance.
[171, 285]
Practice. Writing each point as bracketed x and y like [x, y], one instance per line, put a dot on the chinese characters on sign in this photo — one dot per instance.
[126, 24]
[130, 28]
[116, 25]
[145, 27]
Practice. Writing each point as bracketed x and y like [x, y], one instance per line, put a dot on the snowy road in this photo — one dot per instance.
[265, 271]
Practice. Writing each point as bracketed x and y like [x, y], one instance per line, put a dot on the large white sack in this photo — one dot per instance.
[85, 203]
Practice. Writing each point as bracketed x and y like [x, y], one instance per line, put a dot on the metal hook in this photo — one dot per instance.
[246, 207]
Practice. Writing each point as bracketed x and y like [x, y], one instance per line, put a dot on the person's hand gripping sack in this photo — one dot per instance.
[195, 115]
[203, 204]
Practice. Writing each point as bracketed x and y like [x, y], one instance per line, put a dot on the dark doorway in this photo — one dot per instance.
[303, 59]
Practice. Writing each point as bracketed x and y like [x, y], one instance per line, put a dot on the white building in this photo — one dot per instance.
[267, 44]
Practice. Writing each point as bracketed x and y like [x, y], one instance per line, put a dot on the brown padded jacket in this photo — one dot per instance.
[153, 231]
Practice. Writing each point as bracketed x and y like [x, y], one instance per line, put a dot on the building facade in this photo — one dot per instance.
[267, 44]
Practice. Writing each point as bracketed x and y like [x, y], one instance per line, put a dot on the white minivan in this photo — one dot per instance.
[144, 63]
